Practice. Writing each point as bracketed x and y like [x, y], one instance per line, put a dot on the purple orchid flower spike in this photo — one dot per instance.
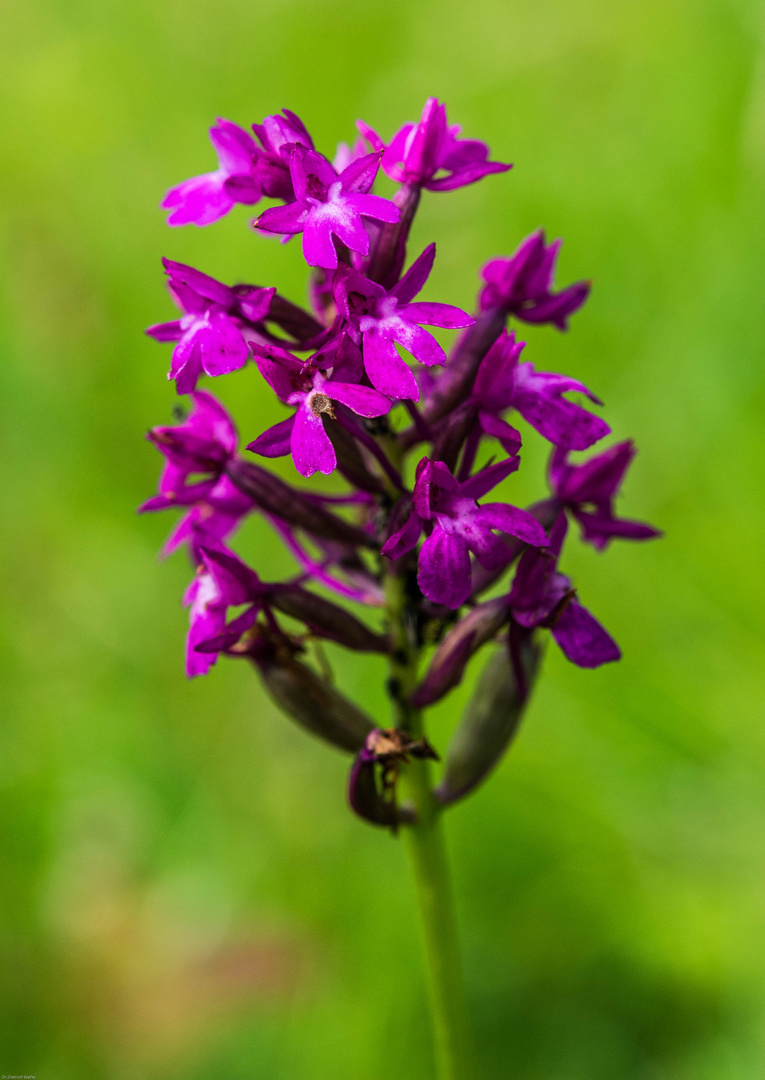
[503, 382]
[541, 596]
[378, 319]
[204, 199]
[211, 333]
[370, 351]
[521, 285]
[588, 491]
[304, 384]
[327, 205]
[457, 526]
[418, 152]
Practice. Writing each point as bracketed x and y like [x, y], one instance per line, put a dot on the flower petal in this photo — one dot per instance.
[387, 372]
[446, 315]
[512, 520]
[581, 637]
[363, 400]
[312, 450]
[444, 569]
[405, 539]
[415, 277]
[318, 245]
[276, 441]
[375, 206]
[283, 219]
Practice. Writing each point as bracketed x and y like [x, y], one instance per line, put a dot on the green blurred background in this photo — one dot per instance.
[184, 895]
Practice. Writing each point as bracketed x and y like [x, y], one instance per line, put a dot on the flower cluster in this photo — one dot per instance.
[421, 437]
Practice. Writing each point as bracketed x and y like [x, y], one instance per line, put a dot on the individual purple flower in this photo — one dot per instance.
[210, 333]
[201, 447]
[522, 284]
[503, 382]
[204, 199]
[304, 384]
[328, 205]
[457, 525]
[541, 596]
[210, 520]
[588, 491]
[379, 319]
[202, 444]
[418, 152]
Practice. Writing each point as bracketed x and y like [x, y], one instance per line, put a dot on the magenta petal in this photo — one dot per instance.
[305, 163]
[581, 637]
[509, 437]
[489, 549]
[186, 365]
[511, 520]
[276, 373]
[560, 421]
[343, 220]
[234, 146]
[422, 345]
[283, 219]
[312, 450]
[223, 347]
[598, 529]
[166, 331]
[202, 284]
[363, 400]
[444, 569]
[318, 245]
[387, 372]
[236, 582]
[374, 206]
[360, 175]
[198, 201]
[415, 277]
[467, 175]
[477, 486]
[370, 135]
[275, 442]
[445, 315]
[403, 540]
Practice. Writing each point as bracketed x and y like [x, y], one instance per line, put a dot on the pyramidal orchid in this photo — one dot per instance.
[421, 529]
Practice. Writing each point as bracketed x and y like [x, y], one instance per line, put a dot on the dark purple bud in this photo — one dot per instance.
[310, 700]
[490, 720]
[463, 640]
[275, 497]
[328, 620]
[374, 775]
[350, 462]
[452, 432]
[388, 254]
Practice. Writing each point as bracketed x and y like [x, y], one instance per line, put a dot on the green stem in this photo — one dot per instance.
[427, 852]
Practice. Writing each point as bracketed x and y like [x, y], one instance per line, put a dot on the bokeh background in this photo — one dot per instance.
[184, 895]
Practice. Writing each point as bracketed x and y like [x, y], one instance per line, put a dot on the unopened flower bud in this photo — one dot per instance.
[448, 664]
[489, 721]
[312, 702]
[285, 502]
